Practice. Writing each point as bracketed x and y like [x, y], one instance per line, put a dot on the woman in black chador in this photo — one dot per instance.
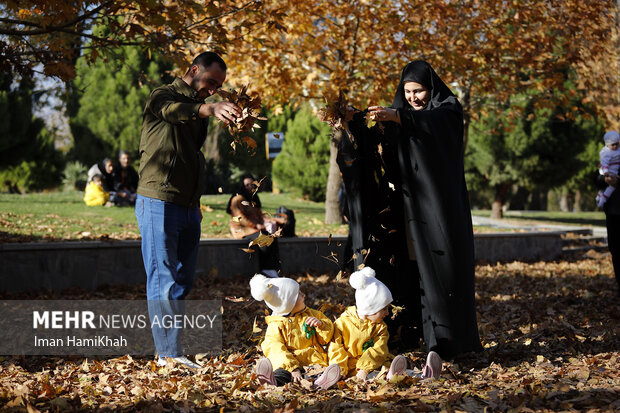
[409, 211]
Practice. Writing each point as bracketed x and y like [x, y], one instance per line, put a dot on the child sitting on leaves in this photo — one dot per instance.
[295, 334]
[361, 336]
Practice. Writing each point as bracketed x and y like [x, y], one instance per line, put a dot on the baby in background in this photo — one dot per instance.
[295, 334]
[610, 164]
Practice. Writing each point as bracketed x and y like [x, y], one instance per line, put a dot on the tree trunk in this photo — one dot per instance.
[564, 201]
[465, 101]
[577, 205]
[333, 213]
[498, 202]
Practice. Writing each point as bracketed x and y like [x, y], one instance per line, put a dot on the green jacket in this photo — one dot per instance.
[171, 163]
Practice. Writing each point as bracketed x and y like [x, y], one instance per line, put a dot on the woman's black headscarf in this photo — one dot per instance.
[108, 178]
[421, 72]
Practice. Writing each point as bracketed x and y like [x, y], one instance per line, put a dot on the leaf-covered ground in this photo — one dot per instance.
[550, 333]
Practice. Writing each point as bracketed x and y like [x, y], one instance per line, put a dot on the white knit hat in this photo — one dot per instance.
[611, 137]
[280, 294]
[371, 295]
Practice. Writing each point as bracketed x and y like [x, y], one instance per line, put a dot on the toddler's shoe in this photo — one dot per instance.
[329, 377]
[264, 371]
[398, 366]
[432, 369]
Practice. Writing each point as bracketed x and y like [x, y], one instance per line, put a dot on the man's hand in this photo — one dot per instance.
[313, 322]
[361, 375]
[224, 111]
[296, 376]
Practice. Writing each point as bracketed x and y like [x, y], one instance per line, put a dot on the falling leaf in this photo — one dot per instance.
[370, 120]
[262, 240]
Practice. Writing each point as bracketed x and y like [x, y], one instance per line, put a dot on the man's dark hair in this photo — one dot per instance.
[206, 59]
[123, 152]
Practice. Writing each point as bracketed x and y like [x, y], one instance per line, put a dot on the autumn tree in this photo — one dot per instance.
[481, 48]
[54, 33]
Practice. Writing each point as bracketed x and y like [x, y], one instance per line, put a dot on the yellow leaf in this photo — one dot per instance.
[262, 240]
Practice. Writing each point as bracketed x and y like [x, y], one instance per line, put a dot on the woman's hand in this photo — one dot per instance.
[349, 113]
[296, 376]
[611, 180]
[383, 114]
[313, 322]
[361, 375]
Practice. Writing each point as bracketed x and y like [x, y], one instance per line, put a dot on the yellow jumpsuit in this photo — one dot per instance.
[358, 344]
[287, 346]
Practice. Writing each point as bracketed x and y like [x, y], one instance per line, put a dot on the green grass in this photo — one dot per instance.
[585, 218]
[58, 216]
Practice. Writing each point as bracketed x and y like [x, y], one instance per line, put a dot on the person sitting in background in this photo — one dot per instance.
[95, 195]
[247, 222]
[105, 169]
[125, 180]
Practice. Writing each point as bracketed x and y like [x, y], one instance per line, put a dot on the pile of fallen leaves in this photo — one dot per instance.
[550, 333]
[250, 105]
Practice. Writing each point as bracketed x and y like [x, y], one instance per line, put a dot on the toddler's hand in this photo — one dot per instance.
[313, 322]
[296, 376]
[361, 375]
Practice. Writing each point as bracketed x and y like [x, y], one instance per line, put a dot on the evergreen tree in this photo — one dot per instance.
[110, 99]
[529, 146]
[28, 158]
[302, 165]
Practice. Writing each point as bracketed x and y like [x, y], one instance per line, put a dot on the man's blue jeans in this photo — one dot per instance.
[170, 237]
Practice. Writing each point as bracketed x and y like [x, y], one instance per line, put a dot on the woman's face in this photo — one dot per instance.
[417, 95]
[109, 167]
[248, 183]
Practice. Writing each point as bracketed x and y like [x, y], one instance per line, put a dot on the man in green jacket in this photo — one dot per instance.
[174, 127]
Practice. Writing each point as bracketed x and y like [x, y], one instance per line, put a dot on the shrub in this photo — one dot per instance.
[303, 164]
[74, 176]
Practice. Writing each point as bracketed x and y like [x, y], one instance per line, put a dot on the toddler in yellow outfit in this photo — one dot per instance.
[295, 334]
[95, 195]
[361, 336]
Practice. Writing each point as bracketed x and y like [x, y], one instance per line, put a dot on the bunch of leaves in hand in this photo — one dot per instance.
[334, 113]
[250, 106]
